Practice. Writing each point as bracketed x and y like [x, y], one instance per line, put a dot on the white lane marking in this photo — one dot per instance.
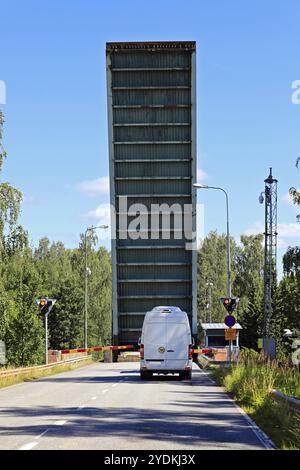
[41, 435]
[60, 422]
[28, 446]
[114, 385]
[104, 391]
[94, 398]
[260, 434]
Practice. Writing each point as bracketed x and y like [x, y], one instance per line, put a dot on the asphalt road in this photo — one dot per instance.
[107, 406]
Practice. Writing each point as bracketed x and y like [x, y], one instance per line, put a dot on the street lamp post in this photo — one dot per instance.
[204, 186]
[86, 274]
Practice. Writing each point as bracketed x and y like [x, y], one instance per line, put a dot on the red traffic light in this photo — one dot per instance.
[45, 305]
[230, 303]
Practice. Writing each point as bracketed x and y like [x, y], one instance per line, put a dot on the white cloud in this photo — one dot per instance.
[94, 187]
[288, 234]
[282, 243]
[254, 229]
[201, 175]
[287, 198]
[289, 230]
[101, 214]
[27, 199]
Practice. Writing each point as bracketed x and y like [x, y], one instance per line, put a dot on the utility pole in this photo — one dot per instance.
[270, 258]
[209, 286]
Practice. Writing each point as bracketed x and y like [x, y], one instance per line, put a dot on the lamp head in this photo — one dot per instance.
[200, 186]
[261, 198]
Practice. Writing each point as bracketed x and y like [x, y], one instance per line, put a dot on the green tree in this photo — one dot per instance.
[10, 197]
[249, 287]
[294, 193]
[212, 267]
[49, 270]
[99, 295]
[66, 320]
[19, 326]
[63, 273]
[24, 334]
[289, 288]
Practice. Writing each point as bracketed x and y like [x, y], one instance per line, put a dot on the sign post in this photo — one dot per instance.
[45, 306]
[230, 303]
[230, 334]
[230, 321]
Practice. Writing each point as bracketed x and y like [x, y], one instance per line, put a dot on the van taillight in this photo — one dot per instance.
[142, 351]
[190, 351]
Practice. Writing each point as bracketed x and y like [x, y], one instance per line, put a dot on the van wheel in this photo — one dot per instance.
[145, 375]
[188, 375]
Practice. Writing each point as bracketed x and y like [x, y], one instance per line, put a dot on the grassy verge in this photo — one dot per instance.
[250, 382]
[33, 375]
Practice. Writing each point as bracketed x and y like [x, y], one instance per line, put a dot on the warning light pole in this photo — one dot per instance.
[46, 305]
[205, 186]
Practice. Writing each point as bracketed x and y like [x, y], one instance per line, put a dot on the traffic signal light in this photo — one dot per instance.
[229, 303]
[45, 305]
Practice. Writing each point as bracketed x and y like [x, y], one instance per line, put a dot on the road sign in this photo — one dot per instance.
[230, 334]
[230, 321]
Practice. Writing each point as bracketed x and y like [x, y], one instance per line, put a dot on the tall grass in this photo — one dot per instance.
[251, 380]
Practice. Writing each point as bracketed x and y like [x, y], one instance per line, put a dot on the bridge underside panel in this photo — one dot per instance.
[151, 101]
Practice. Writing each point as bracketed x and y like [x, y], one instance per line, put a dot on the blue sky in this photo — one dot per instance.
[52, 60]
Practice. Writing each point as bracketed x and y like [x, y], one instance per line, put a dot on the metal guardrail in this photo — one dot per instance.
[290, 402]
[21, 370]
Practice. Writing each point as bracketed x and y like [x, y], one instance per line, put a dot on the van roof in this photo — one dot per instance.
[165, 308]
[170, 313]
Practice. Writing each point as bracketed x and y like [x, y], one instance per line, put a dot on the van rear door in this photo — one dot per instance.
[177, 345]
[155, 343]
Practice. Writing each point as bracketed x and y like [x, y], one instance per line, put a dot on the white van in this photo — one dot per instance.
[166, 343]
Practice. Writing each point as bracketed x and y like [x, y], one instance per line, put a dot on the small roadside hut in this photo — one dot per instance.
[214, 337]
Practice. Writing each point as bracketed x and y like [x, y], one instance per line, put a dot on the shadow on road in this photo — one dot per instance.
[197, 415]
[188, 427]
[130, 377]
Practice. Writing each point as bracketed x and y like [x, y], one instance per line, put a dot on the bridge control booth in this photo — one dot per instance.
[213, 336]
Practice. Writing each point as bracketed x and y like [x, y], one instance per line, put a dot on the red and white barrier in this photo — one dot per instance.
[103, 348]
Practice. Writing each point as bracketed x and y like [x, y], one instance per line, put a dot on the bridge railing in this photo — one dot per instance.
[25, 370]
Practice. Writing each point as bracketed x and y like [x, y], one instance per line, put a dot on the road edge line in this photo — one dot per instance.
[260, 434]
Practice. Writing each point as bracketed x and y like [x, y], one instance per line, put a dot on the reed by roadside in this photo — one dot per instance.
[251, 382]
